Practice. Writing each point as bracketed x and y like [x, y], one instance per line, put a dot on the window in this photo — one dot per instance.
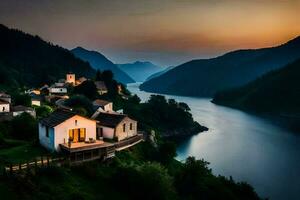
[76, 122]
[70, 77]
[131, 126]
[47, 131]
[124, 127]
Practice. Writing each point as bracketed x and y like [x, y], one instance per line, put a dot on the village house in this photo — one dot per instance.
[115, 126]
[33, 91]
[64, 127]
[58, 89]
[4, 106]
[35, 99]
[101, 87]
[70, 79]
[102, 105]
[79, 138]
[18, 110]
[5, 101]
[81, 80]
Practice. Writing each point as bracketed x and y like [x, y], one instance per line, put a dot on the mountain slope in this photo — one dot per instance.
[99, 61]
[277, 92]
[140, 71]
[207, 76]
[28, 60]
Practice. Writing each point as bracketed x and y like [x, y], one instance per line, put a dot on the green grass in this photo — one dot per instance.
[16, 151]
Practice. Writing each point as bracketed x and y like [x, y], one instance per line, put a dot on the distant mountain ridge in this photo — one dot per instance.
[157, 74]
[28, 60]
[205, 77]
[139, 70]
[99, 61]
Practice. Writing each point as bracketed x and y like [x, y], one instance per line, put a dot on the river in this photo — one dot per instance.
[247, 147]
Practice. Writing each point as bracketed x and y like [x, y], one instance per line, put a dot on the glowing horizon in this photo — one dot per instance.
[167, 32]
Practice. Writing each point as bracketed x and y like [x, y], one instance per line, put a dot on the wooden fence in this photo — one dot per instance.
[43, 161]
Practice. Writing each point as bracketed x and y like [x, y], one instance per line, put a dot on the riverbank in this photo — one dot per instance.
[247, 147]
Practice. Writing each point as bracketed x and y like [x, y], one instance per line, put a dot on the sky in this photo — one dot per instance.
[165, 32]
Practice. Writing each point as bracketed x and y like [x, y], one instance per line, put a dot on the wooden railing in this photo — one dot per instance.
[129, 142]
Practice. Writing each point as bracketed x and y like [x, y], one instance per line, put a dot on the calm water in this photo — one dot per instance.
[244, 146]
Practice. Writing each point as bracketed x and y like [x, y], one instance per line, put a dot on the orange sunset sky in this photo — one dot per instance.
[166, 32]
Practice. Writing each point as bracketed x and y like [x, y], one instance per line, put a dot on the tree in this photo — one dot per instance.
[88, 89]
[98, 75]
[21, 99]
[107, 76]
[184, 106]
[146, 181]
[80, 104]
[167, 151]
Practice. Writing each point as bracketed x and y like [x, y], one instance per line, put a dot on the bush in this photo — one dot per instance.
[24, 127]
[43, 111]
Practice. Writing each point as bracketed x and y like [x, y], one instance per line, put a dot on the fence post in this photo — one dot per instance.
[42, 161]
[27, 165]
[35, 165]
[20, 167]
[10, 169]
[47, 161]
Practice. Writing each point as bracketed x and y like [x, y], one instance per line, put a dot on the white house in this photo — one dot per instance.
[18, 110]
[65, 127]
[58, 90]
[101, 87]
[35, 100]
[4, 106]
[115, 126]
[106, 106]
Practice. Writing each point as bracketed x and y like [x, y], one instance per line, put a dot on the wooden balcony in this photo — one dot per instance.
[82, 146]
[84, 151]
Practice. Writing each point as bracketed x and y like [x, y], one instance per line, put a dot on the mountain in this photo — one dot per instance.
[157, 74]
[277, 92]
[205, 77]
[99, 61]
[29, 60]
[140, 71]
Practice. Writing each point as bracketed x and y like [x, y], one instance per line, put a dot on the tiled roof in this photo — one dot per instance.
[21, 108]
[3, 102]
[2, 94]
[100, 85]
[110, 119]
[35, 97]
[100, 102]
[57, 117]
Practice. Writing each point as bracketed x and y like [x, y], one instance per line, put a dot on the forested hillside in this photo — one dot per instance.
[29, 60]
[277, 92]
[205, 77]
